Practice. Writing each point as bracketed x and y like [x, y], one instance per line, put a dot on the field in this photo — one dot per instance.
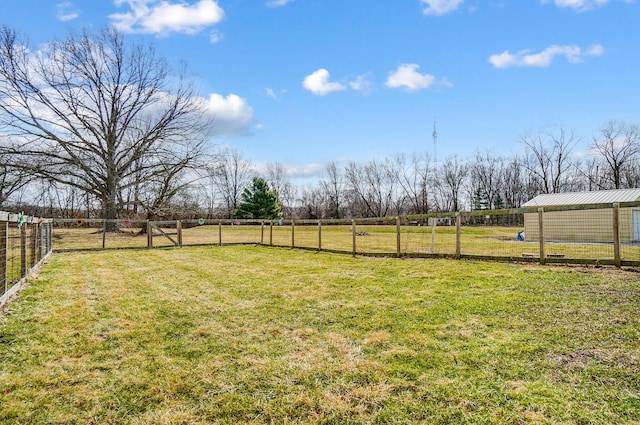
[240, 334]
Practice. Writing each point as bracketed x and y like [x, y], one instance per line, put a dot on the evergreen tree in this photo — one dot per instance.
[258, 201]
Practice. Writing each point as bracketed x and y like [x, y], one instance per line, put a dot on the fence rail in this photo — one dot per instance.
[25, 242]
[588, 234]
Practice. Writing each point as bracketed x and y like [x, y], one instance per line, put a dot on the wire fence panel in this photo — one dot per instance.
[200, 232]
[495, 234]
[280, 233]
[306, 234]
[336, 235]
[428, 236]
[376, 237]
[24, 243]
[70, 234]
[579, 234]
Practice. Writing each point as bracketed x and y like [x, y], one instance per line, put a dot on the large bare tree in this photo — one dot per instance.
[619, 145]
[95, 112]
[549, 159]
[12, 180]
[375, 186]
[415, 177]
[279, 182]
[230, 174]
[333, 188]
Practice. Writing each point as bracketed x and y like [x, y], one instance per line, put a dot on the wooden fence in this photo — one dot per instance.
[607, 234]
[25, 242]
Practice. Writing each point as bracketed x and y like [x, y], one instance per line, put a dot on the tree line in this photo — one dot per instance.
[96, 126]
[412, 184]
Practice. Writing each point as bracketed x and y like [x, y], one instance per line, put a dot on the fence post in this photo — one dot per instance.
[32, 245]
[262, 233]
[433, 234]
[179, 231]
[23, 250]
[41, 227]
[219, 232]
[149, 235]
[353, 235]
[398, 236]
[319, 235]
[270, 232]
[458, 232]
[293, 234]
[104, 233]
[616, 235]
[543, 258]
[4, 246]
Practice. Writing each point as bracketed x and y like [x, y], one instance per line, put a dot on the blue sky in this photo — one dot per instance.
[305, 82]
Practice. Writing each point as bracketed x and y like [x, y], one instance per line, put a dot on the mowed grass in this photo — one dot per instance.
[243, 334]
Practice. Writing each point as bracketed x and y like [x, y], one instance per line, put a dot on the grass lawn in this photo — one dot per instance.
[241, 334]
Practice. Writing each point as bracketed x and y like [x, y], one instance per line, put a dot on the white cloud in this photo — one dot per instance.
[318, 83]
[407, 76]
[361, 84]
[579, 5]
[440, 7]
[278, 3]
[573, 54]
[163, 17]
[66, 11]
[232, 114]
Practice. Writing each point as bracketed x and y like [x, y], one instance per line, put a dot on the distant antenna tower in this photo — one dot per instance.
[435, 143]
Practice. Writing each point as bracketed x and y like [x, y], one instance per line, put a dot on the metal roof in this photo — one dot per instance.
[581, 198]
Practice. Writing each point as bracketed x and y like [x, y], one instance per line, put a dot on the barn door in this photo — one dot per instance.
[636, 225]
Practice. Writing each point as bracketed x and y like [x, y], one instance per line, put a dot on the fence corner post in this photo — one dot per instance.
[617, 258]
[179, 231]
[543, 257]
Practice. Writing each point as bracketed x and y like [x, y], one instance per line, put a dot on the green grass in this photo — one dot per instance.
[265, 335]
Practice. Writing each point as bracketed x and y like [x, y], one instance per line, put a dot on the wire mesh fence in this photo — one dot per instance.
[591, 234]
[24, 243]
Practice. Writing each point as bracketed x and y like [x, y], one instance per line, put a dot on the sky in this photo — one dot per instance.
[307, 82]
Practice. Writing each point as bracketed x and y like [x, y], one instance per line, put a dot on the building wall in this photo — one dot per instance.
[580, 225]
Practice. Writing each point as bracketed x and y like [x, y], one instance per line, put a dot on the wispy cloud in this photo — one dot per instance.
[215, 37]
[543, 59]
[440, 7]
[278, 3]
[407, 76]
[232, 114]
[163, 17]
[318, 83]
[66, 11]
[362, 84]
[580, 5]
